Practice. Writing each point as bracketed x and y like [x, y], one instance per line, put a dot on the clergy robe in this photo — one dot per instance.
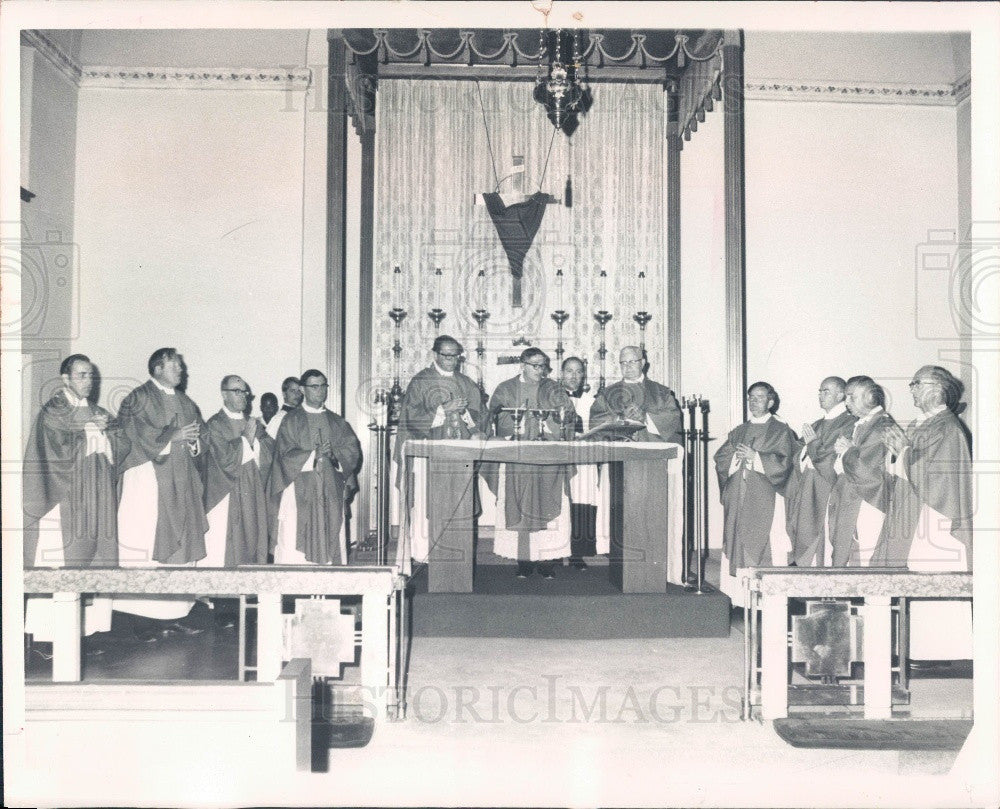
[658, 405]
[810, 484]
[275, 422]
[585, 493]
[859, 498]
[422, 417]
[70, 501]
[749, 494]
[161, 516]
[533, 519]
[235, 497]
[929, 527]
[309, 493]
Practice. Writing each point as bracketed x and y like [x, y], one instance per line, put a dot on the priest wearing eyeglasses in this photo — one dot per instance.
[929, 523]
[637, 398]
[313, 477]
[533, 515]
[238, 454]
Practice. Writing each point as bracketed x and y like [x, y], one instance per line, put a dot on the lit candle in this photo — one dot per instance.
[642, 290]
[604, 289]
[480, 289]
[559, 289]
[438, 280]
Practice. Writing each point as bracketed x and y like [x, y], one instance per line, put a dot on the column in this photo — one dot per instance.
[375, 652]
[774, 657]
[732, 84]
[674, 144]
[366, 284]
[336, 222]
[877, 612]
[270, 637]
[67, 627]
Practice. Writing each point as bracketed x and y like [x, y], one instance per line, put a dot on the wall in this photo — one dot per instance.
[190, 216]
[840, 199]
[48, 268]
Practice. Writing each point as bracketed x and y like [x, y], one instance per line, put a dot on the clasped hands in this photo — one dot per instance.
[842, 444]
[808, 433]
[895, 438]
[189, 432]
[745, 454]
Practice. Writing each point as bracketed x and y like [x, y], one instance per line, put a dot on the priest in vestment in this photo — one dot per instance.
[637, 398]
[238, 453]
[860, 495]
[314, 474]
[813, 476]
[929, 523]
[584, 492]
[161, 516]
[753, 466]
[533, 520]
[291, 393]
[70, 492]
[440, 402]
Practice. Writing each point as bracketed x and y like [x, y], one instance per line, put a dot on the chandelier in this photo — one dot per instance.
[559, 86]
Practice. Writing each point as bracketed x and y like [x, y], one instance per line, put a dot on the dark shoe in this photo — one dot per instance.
[146, 636]
[578, 564]
[792, 564]
[524, 569]
[180, 629]
[547, 572]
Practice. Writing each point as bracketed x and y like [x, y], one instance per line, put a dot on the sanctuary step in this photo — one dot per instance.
[575, 604]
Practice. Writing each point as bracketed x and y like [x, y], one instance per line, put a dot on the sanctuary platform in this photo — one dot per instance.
[575, 604]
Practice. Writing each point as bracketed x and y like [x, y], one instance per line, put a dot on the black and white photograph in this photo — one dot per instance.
[532, 403]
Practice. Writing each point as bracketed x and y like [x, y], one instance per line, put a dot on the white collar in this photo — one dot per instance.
[524, 381]
[164, 388]
[638, 381]
[871, 414]
[930, 413]
[309, 409]
[73, 399]
[837, 410]
[231, 414]
[441, 370]
[759, 419]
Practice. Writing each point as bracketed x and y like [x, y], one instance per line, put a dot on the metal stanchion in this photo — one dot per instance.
[696, 473]
[382, 431]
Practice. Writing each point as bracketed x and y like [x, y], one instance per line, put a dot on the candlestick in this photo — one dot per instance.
[481, 316]
[603, 318]
[642, 318]
[560, 317]
[396, 314]
[559, 289]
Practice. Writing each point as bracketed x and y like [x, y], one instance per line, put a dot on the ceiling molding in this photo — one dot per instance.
[55, 55]
[196, 78]
[847, 92]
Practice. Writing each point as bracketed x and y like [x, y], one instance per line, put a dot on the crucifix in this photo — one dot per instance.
[517, 217]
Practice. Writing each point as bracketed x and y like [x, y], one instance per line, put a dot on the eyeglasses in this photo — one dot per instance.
[539, 366]
[446, 354]
[630, 362]
[241, 391]
[916, 383]
[322, 385]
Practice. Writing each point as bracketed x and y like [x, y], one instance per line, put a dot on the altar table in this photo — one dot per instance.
[646, 494]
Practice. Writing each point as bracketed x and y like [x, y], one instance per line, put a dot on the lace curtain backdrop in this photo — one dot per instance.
[433, 158]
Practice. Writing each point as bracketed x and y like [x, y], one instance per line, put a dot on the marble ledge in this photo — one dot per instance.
[249, 580]
[857, 583]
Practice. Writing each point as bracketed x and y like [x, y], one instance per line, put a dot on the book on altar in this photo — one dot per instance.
[618, 430]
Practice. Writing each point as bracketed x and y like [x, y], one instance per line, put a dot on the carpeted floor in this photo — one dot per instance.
[575, 604]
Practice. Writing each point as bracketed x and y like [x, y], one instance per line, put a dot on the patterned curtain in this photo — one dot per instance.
[433, 158]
